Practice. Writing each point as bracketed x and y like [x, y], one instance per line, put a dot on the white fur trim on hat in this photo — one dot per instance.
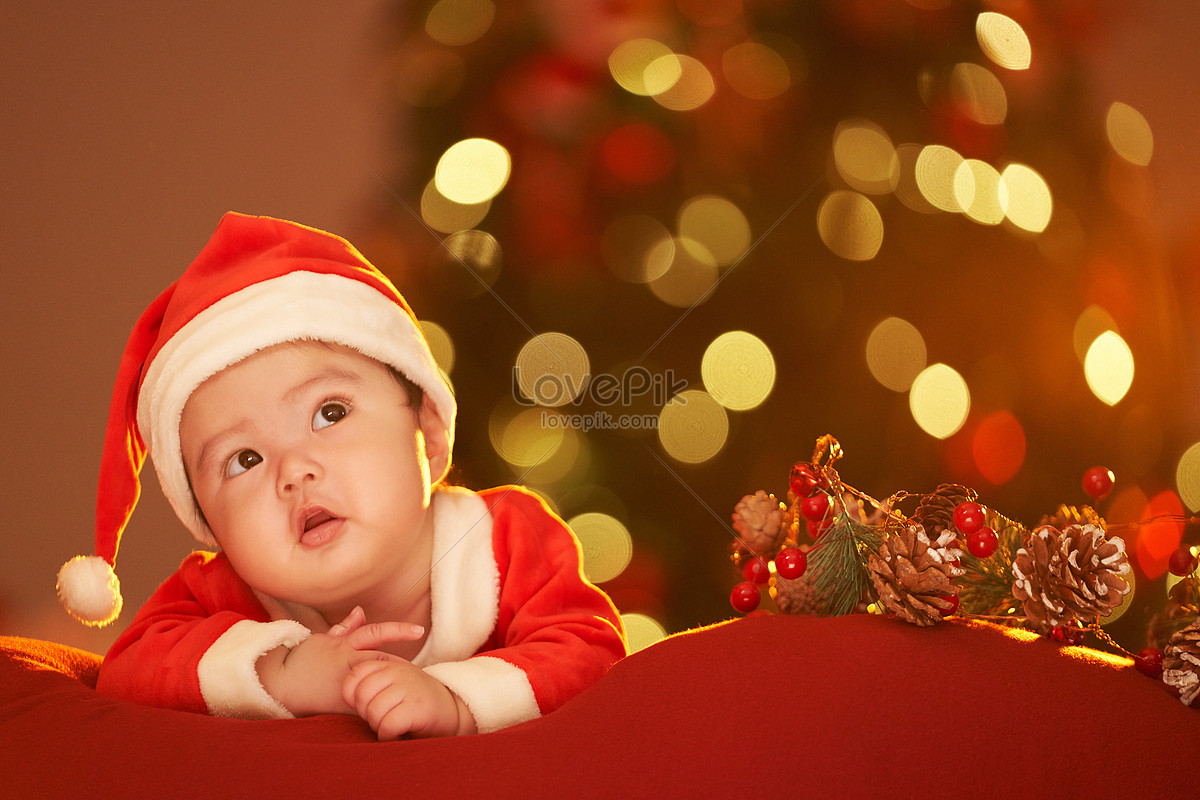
[294, 306]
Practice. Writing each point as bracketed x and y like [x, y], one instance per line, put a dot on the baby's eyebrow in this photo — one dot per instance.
[215, 445]
[327, 375]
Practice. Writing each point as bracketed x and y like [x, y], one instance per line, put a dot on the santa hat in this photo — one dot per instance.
[258, 282]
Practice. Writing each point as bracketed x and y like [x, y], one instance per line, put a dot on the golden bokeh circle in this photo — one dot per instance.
[605, 543]
[850, 225]
[756, 71]
[1108, 367]
[895, 353]
[935, 169]
[630, 60]
[693, 427]
[1025, 198]
[865, 157]
[472, 171]
[738, 370]
[1187, 477]
[1003, 40]
[717, 224]
[939, 400]
[641, 631]
[1129, 134]
[459, 22]
[552, 369]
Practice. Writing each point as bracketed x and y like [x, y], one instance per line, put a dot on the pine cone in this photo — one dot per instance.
[758, 520]
[1060, 576]
[935, 512]
[913, 577]
[798, 596]
[1065, 516]
[1181, 663]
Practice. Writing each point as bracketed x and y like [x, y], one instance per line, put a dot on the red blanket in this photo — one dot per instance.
[852, 706]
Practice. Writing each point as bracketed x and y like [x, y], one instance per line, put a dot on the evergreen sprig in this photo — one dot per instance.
[839, 564]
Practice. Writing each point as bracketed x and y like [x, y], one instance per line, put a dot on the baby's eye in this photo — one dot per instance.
[328, 414]
[242, 461]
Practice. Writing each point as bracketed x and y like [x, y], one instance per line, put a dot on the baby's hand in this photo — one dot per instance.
[396, 698]
[307, 679]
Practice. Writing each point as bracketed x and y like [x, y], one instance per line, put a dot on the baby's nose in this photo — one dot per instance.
[297, 469]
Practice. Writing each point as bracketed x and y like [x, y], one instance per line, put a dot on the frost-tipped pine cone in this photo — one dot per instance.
[913, 577]
[758, 520]
[1181, 663]
[1075, 574]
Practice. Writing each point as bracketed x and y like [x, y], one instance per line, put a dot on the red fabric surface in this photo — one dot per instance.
[852, 706]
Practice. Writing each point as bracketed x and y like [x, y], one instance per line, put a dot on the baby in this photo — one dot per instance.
[297, 421]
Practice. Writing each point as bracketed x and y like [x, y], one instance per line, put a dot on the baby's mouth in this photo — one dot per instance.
[317, 516]
[318, 526]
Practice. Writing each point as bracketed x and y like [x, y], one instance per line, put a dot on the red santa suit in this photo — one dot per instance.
[516, 630]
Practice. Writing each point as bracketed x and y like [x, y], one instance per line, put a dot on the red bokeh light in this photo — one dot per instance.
[638, 153]
[998, 447]
[1157, 540]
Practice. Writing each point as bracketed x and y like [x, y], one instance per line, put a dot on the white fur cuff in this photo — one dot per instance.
[497, 693]
[228, 678]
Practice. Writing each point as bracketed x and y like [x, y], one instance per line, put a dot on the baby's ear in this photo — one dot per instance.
[437, 441]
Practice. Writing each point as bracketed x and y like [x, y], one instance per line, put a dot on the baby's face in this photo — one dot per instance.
[312, 471]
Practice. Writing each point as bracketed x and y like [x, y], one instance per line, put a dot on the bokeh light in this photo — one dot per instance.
[521, 439]
[1108, 367]
[939, 400]
[446, 216]
[935, 169]
[440, 344]
[865, 157]
[1129, 134]
[716, 224]
[629, 62]
[977, 191]
[637, 248]
[978, 94]
[477, 250]
[641, 631]
[1159, 538]
[756, 71]
[689, 274]
[998, 447]
[606, 545]
[907, 190]
[552, 369]
[1090, 323]
[895, 353]
[459, 22]
[693, 427]
[1025, 198]
[1187, 477]
[1003, 40]
[472, 171]
[1126, 601]
[738, 370]
[692, 88]
[850, 225]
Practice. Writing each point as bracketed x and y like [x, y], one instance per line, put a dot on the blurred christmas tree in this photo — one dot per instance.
[906, 223]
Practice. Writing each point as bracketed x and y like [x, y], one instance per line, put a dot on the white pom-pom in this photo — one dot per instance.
[90, 591]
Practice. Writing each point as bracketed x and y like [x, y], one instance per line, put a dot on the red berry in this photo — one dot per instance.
[968, 517]
[1182, 562]
[791, 563]
[1149, 662]
[1098, 482]
[953, 600]
[817, 529]
[803, 480]
[982, 543]
[745, 597]
[755, 570]
[1068, 634]
[816, 507]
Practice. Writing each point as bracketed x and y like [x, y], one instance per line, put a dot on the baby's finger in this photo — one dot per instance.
[353, 691]
[376, 634]
[353, 621]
